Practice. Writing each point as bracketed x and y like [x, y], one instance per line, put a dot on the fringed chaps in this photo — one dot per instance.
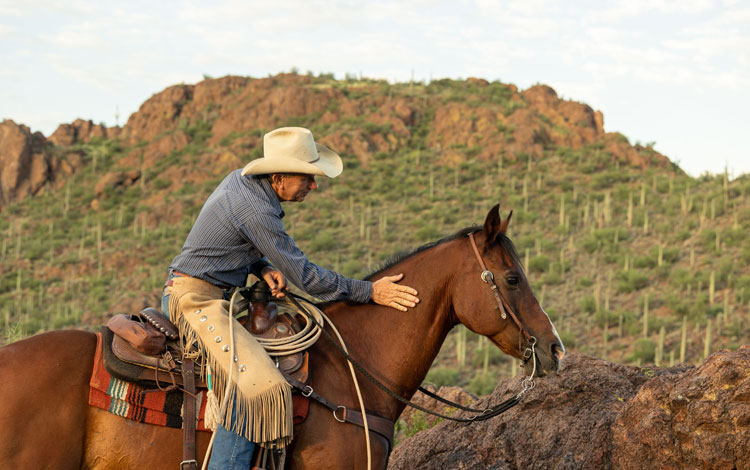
[263, 399]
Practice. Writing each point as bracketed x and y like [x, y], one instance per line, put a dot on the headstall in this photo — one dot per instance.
[502, 304]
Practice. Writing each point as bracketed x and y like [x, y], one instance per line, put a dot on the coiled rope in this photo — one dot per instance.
[314, 323]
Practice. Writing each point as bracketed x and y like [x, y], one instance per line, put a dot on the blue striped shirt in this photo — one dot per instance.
[239, 229]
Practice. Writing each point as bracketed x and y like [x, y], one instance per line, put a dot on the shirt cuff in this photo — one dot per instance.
[257, 267]
[361, 291]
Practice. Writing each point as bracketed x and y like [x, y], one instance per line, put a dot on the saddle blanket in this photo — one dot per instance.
[137, 403]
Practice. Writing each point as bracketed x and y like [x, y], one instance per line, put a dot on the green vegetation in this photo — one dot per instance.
[599, 235]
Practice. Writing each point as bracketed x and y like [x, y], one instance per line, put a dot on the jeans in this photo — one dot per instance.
[230, 451]
[165, 298]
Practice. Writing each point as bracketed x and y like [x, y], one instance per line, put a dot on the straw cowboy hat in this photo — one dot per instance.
[293, 150]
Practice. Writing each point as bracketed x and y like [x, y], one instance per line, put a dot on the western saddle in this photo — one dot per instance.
[144, 349]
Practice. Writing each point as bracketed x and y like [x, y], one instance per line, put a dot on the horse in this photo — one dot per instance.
[46, 422]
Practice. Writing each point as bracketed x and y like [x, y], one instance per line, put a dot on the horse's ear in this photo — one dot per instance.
[504, 224]
[493, 224]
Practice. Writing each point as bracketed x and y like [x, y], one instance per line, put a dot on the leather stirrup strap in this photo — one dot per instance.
[382, 426]
[188, 417]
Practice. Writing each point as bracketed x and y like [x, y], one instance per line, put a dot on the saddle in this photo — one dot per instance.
[144, 349]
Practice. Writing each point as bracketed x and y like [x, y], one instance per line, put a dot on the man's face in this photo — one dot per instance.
[294, 187]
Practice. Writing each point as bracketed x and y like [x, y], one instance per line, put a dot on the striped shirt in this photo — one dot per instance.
[239, 230]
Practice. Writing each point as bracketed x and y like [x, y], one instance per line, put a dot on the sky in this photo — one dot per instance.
[672, 73]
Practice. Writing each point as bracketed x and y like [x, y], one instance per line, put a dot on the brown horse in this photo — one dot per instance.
[46, 423]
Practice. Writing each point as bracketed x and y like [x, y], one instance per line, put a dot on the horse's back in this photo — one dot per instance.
[43, 399]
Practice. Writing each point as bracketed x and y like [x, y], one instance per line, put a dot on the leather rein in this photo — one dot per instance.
[482, 414]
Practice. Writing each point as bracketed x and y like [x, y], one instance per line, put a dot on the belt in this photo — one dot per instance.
[170, 282]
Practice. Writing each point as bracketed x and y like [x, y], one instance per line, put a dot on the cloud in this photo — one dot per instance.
[625, 9]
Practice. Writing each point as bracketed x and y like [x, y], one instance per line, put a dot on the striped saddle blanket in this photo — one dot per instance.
[137, 403]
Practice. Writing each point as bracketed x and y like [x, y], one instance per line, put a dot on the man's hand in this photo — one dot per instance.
[275, 280]
[386, 292]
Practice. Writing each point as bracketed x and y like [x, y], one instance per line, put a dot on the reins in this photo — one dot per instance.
[482, 414]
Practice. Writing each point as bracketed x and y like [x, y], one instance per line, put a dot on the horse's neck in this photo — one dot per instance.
[399, 347]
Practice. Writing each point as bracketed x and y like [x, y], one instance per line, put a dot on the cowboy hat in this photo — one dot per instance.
[293, 150]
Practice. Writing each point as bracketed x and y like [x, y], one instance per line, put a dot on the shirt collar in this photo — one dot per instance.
[271, 196]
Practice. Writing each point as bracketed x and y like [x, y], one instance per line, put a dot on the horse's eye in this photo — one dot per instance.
[512, 280]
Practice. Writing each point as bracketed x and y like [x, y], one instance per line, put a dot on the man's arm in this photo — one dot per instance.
[266, 232]
[272, 240]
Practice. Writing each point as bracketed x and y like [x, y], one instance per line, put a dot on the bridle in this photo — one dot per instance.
[480, 414]
[504, 307]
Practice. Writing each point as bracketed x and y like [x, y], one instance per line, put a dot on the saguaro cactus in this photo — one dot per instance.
[707, 340]
[660, 346]
[562, 210]
[630, 209]
[461, 346]
[683, 340]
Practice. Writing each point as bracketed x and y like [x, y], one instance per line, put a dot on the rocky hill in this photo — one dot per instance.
[459, 121]
[596, 414]
[633, 260]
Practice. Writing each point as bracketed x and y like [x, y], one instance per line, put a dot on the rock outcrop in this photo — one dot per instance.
[81, 131]
[700, 419]
[596, 414]
[491, 121]
[116, 180]
[26, 162]
[453, 120]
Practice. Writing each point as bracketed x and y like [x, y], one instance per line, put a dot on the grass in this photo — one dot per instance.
[67, 265]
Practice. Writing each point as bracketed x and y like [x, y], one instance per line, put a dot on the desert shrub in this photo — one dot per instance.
[587, 304]
[426, 233]
[629, 281]
[418, 423]
[605, 317]
[745, 256]
[352, 268]
[482, 384]
[324, 241]
[495, 356]
[443, 376]
[643, 349]
[552, 278]
[568, 339]
[646, 261]
[539, 264]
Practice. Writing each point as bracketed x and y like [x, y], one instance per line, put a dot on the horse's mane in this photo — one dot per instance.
[394, 259]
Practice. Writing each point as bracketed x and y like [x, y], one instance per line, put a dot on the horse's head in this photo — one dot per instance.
[481, 307]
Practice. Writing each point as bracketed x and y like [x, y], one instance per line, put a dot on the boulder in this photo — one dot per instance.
[597, 414]
[699, 419]
[480, 82]
[116, 180]
[157, 114]
[412, 418]
[81, 131]
[26, 162]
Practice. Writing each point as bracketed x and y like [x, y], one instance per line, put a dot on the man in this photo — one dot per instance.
[238, 232]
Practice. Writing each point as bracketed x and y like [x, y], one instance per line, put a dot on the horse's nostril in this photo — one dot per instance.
[558, 351]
